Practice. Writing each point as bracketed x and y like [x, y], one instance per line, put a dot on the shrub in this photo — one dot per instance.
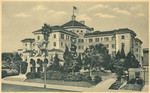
[31, 75]
[87, 78]
[54, 75]
[4, 73]
[42, 75]
[132, 81]
[119, 78]
[38, 75]
[12, 72]
[140, 82]
[24, 67]
[116, 85]
[97, 79]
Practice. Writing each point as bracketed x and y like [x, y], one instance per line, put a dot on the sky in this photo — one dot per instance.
[20, 19]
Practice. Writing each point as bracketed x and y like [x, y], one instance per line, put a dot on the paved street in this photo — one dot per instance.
[18, 88]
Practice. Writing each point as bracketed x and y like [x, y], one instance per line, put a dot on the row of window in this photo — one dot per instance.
[30, 44]
[96, 39]
[63, 37]
[101, 39]
[62, 44]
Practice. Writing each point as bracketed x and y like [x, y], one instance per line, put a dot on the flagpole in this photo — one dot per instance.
[73, 17]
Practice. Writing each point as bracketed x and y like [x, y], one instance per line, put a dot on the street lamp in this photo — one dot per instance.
[46, 30]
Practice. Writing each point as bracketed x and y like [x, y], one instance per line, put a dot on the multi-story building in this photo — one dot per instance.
[61, 36]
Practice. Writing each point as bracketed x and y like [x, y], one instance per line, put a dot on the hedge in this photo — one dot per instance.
[56, 75]
[12, 72]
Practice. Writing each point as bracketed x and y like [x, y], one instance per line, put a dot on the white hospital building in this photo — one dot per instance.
[61, 36]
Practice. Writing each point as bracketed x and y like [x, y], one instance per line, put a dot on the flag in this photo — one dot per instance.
[75, 8]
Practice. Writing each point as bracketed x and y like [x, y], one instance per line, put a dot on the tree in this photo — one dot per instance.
[118, 55]
[24, 67]
[96, 56]
[32, 61]
[66, 53]
[122, 54]
[131, 61]
[79, 65]
[56, 60]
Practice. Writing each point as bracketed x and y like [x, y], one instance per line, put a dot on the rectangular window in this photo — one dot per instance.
[33, 44]
[54, 35]
[54, 44]
[136, 50]
[82, 47]
[79, 47]
[26, 44]
[62, 36]
[90, 40]
[136, 44]
[82, 40]
[61, 44]
[101, 39]
[106, 39]
[79, 40]
[123, 44]
[68, 38]
[113, 45]
[96, 39]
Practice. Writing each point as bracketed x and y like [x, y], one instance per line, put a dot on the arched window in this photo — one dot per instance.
[122, 37]
[38, 37]
[77, 31]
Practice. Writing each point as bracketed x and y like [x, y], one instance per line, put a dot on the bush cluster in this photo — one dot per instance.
[4, 73]
[116, 85]
[32, 75]
[97, 79]
[134, 81]
[56, 75]
[11, 72]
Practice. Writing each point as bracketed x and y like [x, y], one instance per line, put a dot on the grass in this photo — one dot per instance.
[21, 88]
[66, 83]
[134, 87]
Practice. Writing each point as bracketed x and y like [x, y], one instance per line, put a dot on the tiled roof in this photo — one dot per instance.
[28, 40]
[124, 30]
[138, 40]
[53, 50]
[57, 29]
[74, 23]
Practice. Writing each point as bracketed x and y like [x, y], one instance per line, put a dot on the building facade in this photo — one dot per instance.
[85, 36]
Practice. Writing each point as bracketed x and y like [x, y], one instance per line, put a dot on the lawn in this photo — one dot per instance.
[21, 88]
[66, 83]
[135, 87]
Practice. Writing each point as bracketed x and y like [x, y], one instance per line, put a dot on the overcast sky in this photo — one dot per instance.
[20, 19]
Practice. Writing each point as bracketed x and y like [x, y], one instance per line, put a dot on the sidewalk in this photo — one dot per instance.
[101, 87]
